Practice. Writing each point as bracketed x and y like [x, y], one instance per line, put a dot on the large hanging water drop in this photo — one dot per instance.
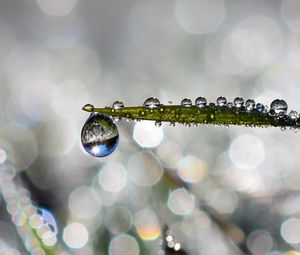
[279, 107]
[151, 102]
[99, 135]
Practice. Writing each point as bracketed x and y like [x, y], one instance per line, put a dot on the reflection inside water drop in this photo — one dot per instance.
[99, 135]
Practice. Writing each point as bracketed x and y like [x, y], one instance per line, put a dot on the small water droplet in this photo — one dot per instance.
[221, 101]
[282, 128]
[238, 102]
[170, 102]
[279, 107]
[186, 102]
[118, 105]
[88, 108]
[99, 135]
[151, 102]
[229, 104]
[293, 115]
[250, 104]
[266, 109]
[259, 107]
[172, 124]
[200, 102]
[157, 123]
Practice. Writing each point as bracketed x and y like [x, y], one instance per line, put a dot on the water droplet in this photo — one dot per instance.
[259, 107]
[250, 104]
[151, 102]
[88, 108]
[99, 135]
[266, 109]
[279, 107]
[293, 115]
[186, 102]
[117, 105]
[229, 104]
[282, 128]
[238, 102]
[157, 123]
[200, 102]
[170, 102]
[172, 124]
[221, 101]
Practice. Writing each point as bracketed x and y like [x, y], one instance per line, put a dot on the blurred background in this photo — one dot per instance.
[220, 190]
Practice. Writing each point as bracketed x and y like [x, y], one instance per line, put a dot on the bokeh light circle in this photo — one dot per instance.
[144, 169]
[247, 152]
[123, 243]
[200, 16]
[112, 177]
[75, 235]
[84, 203]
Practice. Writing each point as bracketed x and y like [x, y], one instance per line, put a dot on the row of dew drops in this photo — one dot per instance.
[278, 107]
[100, 140]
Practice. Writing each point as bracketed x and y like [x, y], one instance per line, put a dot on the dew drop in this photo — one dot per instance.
[88, 108]
[238, 102]
[172, 124]
[221, 101]
[200, 102]
[259, 107]
[99, 135]
[157, 123]
[250, 104]
[279, 107]
[229, 104]
[151, 102]
[186, 102]
[293, 115]
[117, 105]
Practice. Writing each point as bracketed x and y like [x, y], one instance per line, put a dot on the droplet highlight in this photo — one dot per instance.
[200, 102]
[99, 135]
[221, 101]
[151, 102]
[186, 102]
